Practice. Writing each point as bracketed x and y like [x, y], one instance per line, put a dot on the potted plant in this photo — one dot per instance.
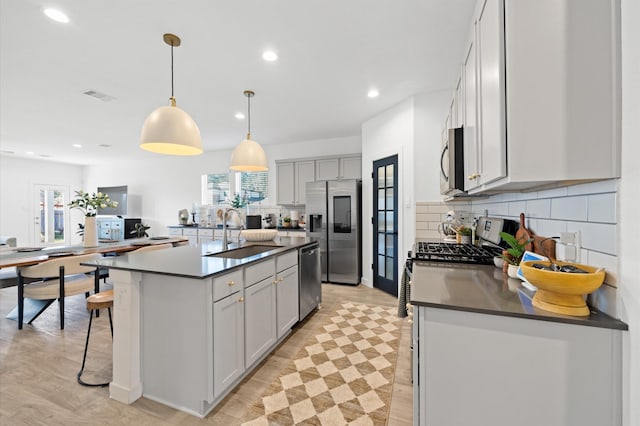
[89, 205]
[286, 222]
[463, 235]
[140, 230]
[513, 255]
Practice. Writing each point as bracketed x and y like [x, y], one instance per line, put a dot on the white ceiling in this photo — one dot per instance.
[331, 53]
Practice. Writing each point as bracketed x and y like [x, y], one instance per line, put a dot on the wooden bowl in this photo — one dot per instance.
[562, 292]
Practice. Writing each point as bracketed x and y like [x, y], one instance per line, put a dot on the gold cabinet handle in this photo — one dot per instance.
[241, 299]
[274, 282]
[231, 283]
[410, 321]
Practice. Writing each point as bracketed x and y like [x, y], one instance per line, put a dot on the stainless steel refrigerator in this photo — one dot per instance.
[333, 210]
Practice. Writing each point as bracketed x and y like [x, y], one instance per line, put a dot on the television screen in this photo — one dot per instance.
[116, 193]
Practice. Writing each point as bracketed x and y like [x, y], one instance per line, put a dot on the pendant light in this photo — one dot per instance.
[168, 129]
[249, 155]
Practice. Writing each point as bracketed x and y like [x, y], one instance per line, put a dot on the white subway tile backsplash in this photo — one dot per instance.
[538, 208]
[604, 299]
[569, 208]
[593, 187]
[602, 208]
[517, 207]
[555, 192]
[547, 227]
[606, 261]
[599, 237]
[426, 217]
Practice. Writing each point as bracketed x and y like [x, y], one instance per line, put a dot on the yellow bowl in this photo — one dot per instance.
[562, 292]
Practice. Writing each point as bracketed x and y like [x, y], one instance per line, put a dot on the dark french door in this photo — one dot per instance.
[385, 224]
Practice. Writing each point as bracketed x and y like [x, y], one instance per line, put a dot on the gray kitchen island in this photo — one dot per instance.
[190, 322]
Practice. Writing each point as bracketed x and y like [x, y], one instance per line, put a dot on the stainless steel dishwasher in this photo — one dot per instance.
[310, 286]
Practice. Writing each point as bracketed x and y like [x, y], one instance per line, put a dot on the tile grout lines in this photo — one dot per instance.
[343, 375]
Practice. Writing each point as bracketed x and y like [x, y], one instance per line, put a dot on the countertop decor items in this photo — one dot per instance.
[561, 291]
[249, 155]
[168, 129]
[89, 204]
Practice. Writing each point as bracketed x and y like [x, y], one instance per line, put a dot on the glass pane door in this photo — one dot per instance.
[50, 217]
[385, 257]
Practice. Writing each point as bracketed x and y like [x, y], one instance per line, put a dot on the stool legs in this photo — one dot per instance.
[86, 346]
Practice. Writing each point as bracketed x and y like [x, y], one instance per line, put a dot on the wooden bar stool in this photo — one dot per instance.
[96, 302]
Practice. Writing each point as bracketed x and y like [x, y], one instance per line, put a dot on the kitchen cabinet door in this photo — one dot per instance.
[285, 189]
[287, 299]
[305, 171]
[491, 92]
[228, 342]
[459, 101]
[351, 167]
[260, 319]
[471, 169]
[327, 169]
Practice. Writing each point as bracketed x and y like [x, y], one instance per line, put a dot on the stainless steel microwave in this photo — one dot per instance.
[452, 163]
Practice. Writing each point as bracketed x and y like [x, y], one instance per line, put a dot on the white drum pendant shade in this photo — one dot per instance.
[170, 130]
[249, 157]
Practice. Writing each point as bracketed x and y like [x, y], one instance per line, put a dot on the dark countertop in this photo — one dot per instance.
[192, 262]
[485, 289]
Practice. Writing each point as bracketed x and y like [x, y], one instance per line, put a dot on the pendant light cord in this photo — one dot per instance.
[172, 69]
[248, 116]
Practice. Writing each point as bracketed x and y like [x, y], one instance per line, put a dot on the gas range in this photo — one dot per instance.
[454, 253]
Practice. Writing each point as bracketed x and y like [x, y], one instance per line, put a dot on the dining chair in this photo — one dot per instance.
[58, 278]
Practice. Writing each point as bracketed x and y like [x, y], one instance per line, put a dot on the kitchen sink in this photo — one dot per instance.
[242, 252]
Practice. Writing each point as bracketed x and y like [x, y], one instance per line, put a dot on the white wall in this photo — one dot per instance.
[387, 134]
[169, 184]
[17, 195]
[430, 112]
[629, 207]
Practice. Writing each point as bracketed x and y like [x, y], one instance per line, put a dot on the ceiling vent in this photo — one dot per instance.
[98, 95]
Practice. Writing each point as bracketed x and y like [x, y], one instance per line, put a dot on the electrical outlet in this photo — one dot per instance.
[568, 248]
[568, 237]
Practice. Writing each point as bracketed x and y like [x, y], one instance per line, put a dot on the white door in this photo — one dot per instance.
[51, 215]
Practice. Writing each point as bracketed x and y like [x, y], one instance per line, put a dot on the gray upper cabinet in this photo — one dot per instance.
[292, 175]
[347, 167]
[541, 102]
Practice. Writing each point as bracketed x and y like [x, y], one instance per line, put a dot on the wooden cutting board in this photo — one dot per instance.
[523, 234]
[544, 246]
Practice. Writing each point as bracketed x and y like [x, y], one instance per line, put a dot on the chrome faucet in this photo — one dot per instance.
[225, 217]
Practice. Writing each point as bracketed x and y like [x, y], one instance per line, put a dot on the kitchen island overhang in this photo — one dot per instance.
[163, 342]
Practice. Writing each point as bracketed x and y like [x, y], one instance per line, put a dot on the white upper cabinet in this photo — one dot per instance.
[541, 96]
[285, 189]
[327, 169]
[470, 133]
[305, 172]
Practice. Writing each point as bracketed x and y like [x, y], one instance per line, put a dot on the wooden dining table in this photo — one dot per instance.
[25, 256]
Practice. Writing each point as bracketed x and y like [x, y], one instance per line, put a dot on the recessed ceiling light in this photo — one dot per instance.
[4, 151]
[373, 93]
[30, 153]
[104, 145]
[45, 155]
[77, 145]
[239, 116]
[56, 15]
[269, 55]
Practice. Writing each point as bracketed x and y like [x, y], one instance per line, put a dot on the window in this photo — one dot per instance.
[215, 188]
[220, 187]
[253, 186]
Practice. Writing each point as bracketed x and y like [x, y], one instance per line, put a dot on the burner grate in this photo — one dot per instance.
[455, 253]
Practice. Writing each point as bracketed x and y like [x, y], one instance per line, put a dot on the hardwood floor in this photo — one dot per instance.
[38, 367]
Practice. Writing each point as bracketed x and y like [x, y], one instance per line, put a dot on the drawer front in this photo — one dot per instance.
[190, 232]
[287, 260]
[259, 271]
[227, 284]
[205, 233]
[175, 231]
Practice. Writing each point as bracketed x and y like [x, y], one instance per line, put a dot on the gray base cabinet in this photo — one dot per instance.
[228, 342]
[260, 325]
[200, 337]
[480, 369]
